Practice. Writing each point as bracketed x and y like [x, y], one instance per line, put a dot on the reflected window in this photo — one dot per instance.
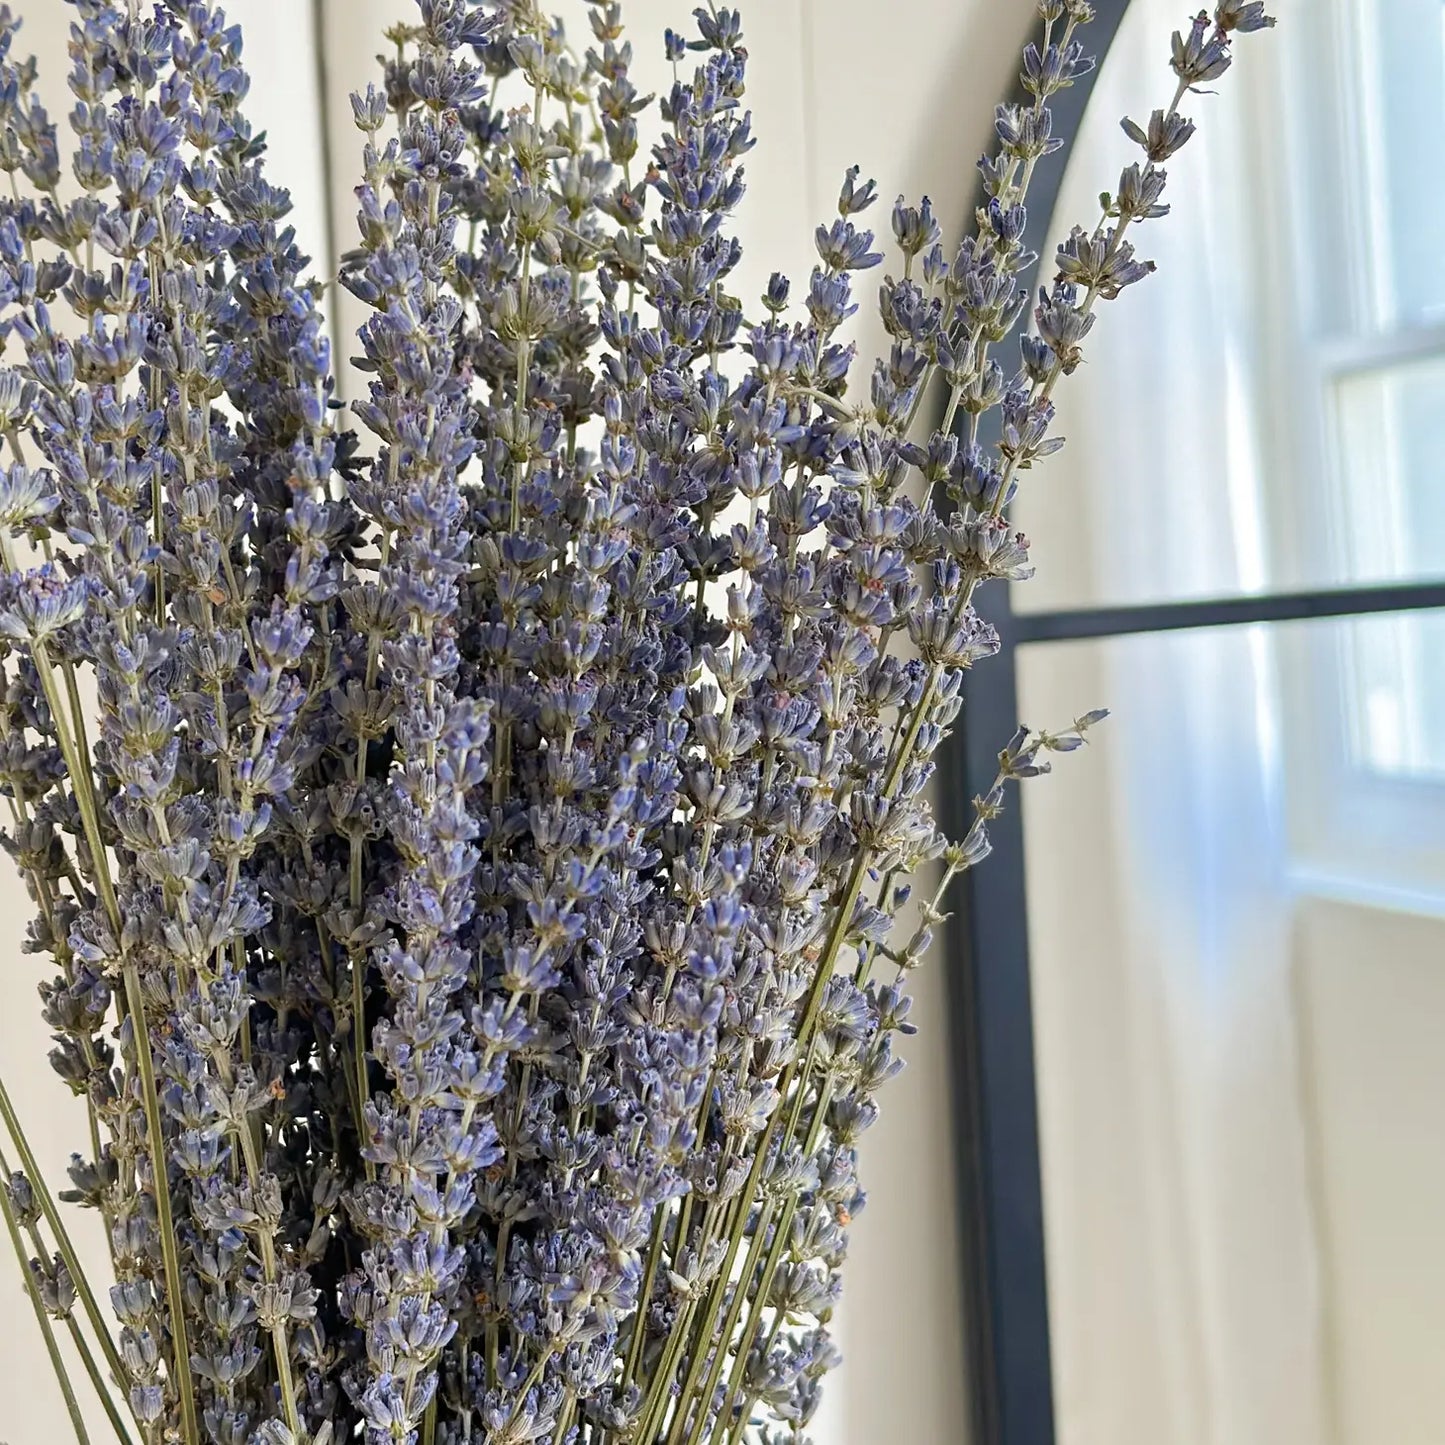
[1237, 997]
[1382, 101]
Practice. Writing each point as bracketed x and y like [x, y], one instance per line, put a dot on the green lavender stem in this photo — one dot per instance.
[62, 1236]
[57, 1362]
[77, 1335]
[80, 773]
[165, 1221]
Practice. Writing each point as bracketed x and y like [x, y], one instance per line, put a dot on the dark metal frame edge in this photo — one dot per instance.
[1008, 1368]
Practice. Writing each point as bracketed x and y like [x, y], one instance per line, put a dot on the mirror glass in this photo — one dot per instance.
[1239, 998]
[1267, 412]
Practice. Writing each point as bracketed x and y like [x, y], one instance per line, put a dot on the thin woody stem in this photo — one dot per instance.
[77, 1335]
[57, 1362]
[82, 787]
[98, 1383]
[63, 1241]
[165, 1221]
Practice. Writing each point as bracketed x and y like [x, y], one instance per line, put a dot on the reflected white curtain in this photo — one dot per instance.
[1181, 1238]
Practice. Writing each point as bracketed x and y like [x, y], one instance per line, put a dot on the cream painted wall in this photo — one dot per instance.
[908, 97]
[1370, 999]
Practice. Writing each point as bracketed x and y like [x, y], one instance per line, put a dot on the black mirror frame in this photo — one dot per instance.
[1009, 1376]
[1009, 1372]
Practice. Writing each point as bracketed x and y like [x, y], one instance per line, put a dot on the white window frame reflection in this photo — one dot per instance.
[1365, 812]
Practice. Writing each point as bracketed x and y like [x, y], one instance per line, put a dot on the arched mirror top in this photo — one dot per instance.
[1293, 339]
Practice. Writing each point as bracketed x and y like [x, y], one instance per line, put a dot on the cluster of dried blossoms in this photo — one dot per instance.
[470, 851]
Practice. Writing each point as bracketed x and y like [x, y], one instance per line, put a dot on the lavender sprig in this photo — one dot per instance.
[427, 1135]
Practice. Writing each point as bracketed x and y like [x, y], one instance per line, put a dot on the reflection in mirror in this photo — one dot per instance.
[1240, 1027]
[1241, 1078]
[1299, 312]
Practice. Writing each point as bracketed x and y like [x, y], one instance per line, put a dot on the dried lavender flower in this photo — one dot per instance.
[473, 903]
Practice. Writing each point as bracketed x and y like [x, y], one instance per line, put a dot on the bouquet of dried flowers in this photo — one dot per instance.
[469, 848]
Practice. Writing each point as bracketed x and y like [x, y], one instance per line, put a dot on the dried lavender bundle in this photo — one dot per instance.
[472, 893]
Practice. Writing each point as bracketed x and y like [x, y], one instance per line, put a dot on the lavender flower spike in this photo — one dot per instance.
[472, 899]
